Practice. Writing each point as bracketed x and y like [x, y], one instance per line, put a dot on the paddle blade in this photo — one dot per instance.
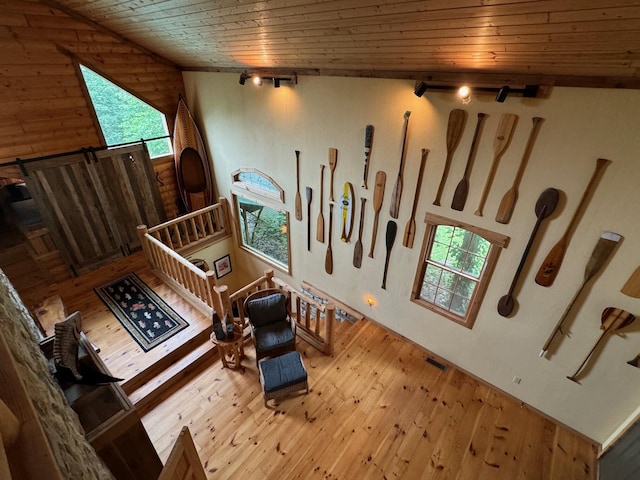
[328, 261]
[357, 254]
[298, 207]
[632, 286]
[549, 269]
[506, 305]
[394, 209]
[507, 204]
[460, 195]
[409, 234]
[320, 228]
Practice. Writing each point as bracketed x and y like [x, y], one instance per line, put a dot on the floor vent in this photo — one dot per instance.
[436, 364]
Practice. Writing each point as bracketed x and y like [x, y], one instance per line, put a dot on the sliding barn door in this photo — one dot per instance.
[92, 202]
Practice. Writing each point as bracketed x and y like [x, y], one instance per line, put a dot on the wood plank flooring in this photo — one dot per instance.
[376, 410]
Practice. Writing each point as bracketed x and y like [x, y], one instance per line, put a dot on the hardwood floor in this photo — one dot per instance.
[376, 409]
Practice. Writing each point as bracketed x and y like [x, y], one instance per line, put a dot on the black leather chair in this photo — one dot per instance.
[272, 329]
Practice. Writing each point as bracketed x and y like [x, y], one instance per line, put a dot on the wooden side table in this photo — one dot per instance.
[231, 350]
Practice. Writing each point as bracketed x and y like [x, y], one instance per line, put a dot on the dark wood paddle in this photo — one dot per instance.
[546, 204]
[410, 228]
[551, 265]
[635, 361]
[368, 142]
[460, 195]
[309, 195]
[599, 256]
[357, 251]
[378, 196]
[392, 228]
[632, 285]
[504, 132]
[612, 319]
[328, 259]
[508, 202]
[394, 209]
[457, 119]
[298, 198]
[320, 221]
[333, 161]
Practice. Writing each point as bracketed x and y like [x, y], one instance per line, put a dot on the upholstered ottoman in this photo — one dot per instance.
[282, 375]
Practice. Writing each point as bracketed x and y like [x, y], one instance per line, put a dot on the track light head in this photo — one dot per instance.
[502, 94]
[530, 91]
[420, 88]
[276, 83]
[243, 78]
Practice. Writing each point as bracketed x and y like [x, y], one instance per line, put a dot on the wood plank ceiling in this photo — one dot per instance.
[552, 42]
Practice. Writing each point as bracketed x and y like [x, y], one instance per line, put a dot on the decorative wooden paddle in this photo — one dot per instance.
[410, 228]
[368, 142]
[599, 256]
[632, 285]
[546, 204]
[320, 221]
[394, 209]
[504, 132]
[328, 259]
[298, 199]
[333, 161]
[635, 361]
[309, 195]
[347, 200]
[460, 195]
[613, 319]
[457, 119]
[378, 195]
[508, 202]
[357, 251]
[551, 264]
[392, 228]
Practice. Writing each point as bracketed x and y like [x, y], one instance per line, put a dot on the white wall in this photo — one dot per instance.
[261, 127]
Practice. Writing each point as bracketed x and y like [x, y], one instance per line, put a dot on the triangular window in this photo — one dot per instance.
[125, 118]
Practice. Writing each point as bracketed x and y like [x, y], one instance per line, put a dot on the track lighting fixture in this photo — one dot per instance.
[243, 78]
[276, 83]
[464, 92]
[259, 79]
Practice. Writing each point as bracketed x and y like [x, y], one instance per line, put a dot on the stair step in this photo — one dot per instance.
[167, 380]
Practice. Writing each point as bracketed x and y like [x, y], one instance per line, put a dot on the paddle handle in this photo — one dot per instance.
[537, 122]
[328, 260]
[298, 201]
[368, 142]
[573, 376]
[394, 208]
[309, 193]
[374, 234]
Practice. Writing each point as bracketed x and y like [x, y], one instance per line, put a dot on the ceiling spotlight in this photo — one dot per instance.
[276, 83]
[502, 94]
[243, 78]
[421, 87]
[257, 81]
[464, 93]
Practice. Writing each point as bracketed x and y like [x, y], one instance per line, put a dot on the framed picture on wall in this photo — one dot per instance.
[222, 266]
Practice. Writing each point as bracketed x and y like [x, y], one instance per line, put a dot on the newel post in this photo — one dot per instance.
[142, 232]
[268, 276]
[211, 285]
[329, 318]
[226, 214]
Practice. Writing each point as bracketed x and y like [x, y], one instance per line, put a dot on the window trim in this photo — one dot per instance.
[497, 242]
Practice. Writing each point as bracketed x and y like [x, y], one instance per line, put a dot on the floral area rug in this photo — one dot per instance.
[147, 318]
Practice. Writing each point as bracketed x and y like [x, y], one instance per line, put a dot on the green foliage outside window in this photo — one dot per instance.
[124, 117]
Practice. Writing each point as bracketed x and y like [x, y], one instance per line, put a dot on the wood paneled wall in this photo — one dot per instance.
[44, 110]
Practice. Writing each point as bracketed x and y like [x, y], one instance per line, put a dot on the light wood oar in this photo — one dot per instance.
[457, 119]
[309, 195]
[632, 285]
[368, 142]
[333, 161]
[328, 259]
[410, 228]
[298, 198]
[320, 221]
[390, 237]
[508, 202]
[504, 132]
[394, 209]
[546, 204]
[378, 196]
[599, 256]
[551, 265]
[357, 251]
[460, 195]
[613, 319]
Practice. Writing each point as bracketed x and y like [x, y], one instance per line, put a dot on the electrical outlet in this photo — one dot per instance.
[517, 380]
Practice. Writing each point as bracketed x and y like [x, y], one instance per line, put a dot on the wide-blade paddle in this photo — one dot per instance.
[309, 195]
[500, 143]
[392, 228]
[551, 265]
[298, 198]
[457, 119]
[508, 202]
[613, 319]
[357, 251]
[632, 285]
[602, 251]
[546, 204]
[460, 195]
